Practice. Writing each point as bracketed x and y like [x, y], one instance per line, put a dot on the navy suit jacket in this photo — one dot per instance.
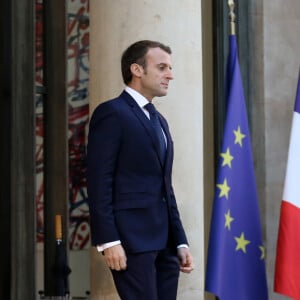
[130, 193]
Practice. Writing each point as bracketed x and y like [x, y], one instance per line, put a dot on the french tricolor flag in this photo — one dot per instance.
[287, 269]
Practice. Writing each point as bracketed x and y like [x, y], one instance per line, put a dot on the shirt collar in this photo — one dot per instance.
[139, 98]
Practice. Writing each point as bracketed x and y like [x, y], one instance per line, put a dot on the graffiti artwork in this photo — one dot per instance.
[78, 115]
[78, 78]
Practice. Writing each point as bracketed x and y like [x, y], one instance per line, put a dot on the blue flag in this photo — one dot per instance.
[236, 266]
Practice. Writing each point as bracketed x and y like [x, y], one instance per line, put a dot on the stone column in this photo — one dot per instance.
[17, 164]
[114, 26]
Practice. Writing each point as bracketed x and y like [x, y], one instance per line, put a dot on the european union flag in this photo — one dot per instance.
[236, 267]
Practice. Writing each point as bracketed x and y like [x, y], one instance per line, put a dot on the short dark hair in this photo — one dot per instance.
[136, 54]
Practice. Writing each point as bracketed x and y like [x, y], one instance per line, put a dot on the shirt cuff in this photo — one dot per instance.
[102, 247]
[182, 246]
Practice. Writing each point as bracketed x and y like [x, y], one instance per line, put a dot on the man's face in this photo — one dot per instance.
[157, 74]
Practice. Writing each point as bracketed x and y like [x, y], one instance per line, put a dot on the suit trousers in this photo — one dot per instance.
[149, 275]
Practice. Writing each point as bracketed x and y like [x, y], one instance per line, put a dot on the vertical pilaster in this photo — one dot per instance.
[5, 139]
[17, 136]
[55, 132]
[114, 26]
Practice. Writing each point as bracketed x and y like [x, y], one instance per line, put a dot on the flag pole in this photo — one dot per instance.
[231, 15]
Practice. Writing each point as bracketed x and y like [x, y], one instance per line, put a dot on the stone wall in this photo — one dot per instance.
[275, 48]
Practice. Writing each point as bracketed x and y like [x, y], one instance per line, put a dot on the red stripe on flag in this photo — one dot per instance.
[287, 276]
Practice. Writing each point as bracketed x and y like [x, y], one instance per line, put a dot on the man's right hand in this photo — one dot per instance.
[115, 258]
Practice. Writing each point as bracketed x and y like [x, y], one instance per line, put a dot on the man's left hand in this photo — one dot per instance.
[186, 260]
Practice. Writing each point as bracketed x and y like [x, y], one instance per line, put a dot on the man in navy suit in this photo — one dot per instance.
[133, 212]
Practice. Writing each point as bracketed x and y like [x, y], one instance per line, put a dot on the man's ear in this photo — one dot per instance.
[136, 70]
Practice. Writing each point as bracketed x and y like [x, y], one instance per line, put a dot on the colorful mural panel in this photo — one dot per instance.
[78, 79]
[77, 93]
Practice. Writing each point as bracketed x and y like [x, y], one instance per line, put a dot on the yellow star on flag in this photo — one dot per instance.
[241, 243]
[239, 136]
[262, 249]
[227, 158]
[224, 189]
[228, 220]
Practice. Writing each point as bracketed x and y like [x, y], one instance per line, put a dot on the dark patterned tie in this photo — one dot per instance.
[158, 130]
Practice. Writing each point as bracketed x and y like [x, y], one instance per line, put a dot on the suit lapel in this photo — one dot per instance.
[144, 120]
